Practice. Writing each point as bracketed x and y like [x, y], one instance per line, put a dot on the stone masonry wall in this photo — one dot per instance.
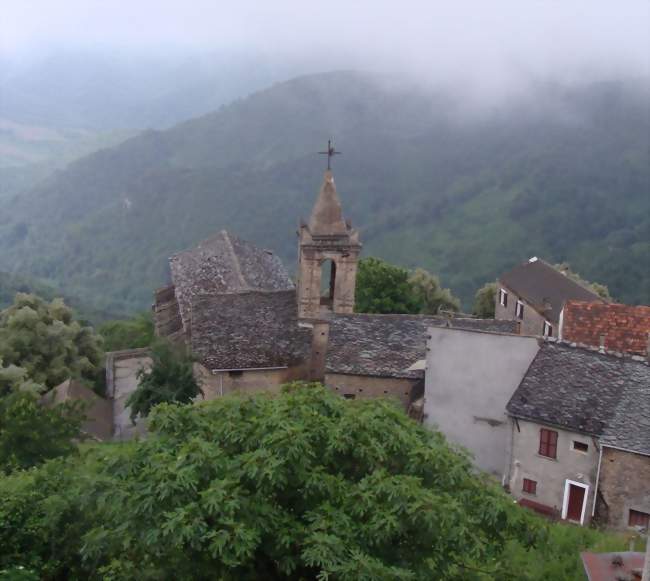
[624, 485]
[366, 387]
[531, 324]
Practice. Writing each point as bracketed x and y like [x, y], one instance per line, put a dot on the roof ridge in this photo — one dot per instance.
[235, 258]
[597, 350]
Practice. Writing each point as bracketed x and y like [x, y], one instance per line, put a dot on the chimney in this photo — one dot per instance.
[647, 348]
[601, 347]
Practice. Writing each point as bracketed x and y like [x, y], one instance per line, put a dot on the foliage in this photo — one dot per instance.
[484, 301]
[600, 289]
[386, 288]
[31, 432]
[133, 333]
[383, 288]
[429, 295]
[44, 339]
[463, 198]
[302, 485]
[557, 555]
[170, 380]
[14, 378]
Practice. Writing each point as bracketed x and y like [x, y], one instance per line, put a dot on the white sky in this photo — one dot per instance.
[492, 38]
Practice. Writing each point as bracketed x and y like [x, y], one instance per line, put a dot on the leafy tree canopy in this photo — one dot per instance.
[301, 485]
[31, 433]
[171, 379]
[131, 333]
[484, 301]
[385, 288]
[43, 339]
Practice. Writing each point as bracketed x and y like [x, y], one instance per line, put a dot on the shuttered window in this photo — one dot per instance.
[548, 443]
[529, 486]
[639, 519]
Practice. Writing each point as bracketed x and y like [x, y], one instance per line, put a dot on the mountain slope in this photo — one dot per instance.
[564, 176]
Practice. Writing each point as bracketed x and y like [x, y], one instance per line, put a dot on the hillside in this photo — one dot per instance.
[563, 175]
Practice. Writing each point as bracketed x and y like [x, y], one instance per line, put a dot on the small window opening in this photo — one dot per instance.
[580, 446]
[547, 329]
[503, 297]
[519, 310]
[349, 396]
[639, 519]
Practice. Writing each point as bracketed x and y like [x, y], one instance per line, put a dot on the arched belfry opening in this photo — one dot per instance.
[327, 283]
[328, 253]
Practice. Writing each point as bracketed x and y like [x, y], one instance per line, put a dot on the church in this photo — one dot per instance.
[252, 329]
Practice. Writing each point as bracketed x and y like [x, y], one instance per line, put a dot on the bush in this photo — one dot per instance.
[303, 485]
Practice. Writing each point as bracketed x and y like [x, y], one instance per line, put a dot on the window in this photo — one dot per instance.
[519, 310]
[580, 446]
[548, 443]
[639, 519]
[349, 396]
[503, 298]
[529, 486]
[547, 329]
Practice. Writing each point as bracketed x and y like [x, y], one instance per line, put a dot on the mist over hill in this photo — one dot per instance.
[429, 181]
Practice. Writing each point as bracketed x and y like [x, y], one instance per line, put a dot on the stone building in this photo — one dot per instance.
[533, 294]
[581, 435]
[251, 329]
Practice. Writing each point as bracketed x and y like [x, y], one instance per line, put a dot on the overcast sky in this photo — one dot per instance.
[491, 39]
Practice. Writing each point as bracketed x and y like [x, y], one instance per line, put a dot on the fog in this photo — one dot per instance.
[490, 44]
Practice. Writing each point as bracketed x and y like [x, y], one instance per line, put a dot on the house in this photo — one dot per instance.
[251, 329]
[580, 428]
[533, 293]
[470, 377]
[613, 327]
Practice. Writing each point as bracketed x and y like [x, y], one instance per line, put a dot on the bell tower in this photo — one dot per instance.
[328, 253]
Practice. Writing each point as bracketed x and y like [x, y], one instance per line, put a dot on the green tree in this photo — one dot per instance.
[131, 333]
[429, 294]
[301, 485]
[600, 289]
[484, 301]
[44, 339]
[170, 380]
[383, 288]
[31, 433]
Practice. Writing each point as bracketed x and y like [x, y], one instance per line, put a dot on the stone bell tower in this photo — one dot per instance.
[328, 252]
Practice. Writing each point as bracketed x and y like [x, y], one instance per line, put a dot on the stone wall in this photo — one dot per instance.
[246, 382]
[122, 369]
[367, 387]
[551, 474]
[531, 324]
[624, 485]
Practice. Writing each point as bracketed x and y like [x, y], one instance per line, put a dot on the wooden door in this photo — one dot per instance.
[576, 500]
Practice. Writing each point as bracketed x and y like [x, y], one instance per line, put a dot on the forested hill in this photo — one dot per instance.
[562, 175]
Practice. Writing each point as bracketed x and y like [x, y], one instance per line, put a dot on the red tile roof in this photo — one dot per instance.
[612, 566]
[625, 327]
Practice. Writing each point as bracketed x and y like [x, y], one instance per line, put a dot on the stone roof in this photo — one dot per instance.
[248, 330]
[387, 345]
[224, 264]
[545, 288]
[586, 391]
[625, 328]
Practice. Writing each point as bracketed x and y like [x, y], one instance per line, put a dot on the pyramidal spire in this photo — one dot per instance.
[327, 217]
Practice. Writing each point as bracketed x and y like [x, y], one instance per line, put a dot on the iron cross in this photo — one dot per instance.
[330, 153]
